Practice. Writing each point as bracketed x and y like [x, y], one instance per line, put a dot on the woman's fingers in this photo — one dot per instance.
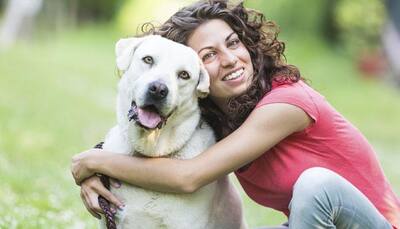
[115, 183]
[90, 195]
[94, 203]
[91, 188]
[109, 196]
[87, 202]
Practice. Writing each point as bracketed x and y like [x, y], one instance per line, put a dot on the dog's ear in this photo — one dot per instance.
[203, 87]
[124, 50]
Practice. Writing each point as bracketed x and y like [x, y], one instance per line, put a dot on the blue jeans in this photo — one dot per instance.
[323, 199]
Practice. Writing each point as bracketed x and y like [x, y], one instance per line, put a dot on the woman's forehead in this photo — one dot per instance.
[209, 33]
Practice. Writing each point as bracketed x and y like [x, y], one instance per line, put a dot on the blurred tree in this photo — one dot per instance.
[313, 17]
[2, 3]
[360, 23]
[19, 15]
[134, 13]
[391, 39]
[61, 13]
[299, 17]
[89, 10]
[18, 20]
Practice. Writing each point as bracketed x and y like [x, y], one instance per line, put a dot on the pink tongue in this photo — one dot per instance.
[148, 119]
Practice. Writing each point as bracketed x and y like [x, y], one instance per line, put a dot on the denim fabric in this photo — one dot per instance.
[323, 199]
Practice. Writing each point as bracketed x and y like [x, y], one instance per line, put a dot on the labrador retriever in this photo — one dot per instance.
[158, 116]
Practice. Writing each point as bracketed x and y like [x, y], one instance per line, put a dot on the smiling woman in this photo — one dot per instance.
[226, 59]
[259, 39]
[289, 148]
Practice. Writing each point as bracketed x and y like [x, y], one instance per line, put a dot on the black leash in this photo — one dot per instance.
[103, 202]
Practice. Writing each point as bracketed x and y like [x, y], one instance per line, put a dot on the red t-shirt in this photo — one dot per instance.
[330, 142]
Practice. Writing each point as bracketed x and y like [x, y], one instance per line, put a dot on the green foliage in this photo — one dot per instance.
[134, 13]
[360, 22]
[296, 17]
[97, 9]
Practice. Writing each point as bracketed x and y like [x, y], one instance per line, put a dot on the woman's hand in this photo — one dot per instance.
[91, 188]
[83, 165]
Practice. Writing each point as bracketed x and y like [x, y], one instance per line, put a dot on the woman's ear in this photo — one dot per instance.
[203, 86]
[124, 49]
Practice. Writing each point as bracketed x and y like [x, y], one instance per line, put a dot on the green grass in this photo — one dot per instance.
[57, 99]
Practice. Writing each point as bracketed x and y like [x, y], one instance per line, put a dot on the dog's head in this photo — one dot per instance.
[159, 77]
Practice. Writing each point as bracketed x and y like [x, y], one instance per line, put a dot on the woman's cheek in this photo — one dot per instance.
[212, 70]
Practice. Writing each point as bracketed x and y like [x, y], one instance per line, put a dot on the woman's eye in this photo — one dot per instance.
[184, 75]
[233, 43]
[207, 56]
[148, 59]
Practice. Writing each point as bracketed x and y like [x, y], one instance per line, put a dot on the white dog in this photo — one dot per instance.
[158, 115]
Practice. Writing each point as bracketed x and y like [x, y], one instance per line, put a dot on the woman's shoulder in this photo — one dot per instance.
[290, 86]
[288, 91]
[298, 94]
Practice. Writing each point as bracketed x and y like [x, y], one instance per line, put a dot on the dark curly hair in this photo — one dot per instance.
[259, 37]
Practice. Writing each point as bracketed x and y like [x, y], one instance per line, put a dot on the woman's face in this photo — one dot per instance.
[225, 57]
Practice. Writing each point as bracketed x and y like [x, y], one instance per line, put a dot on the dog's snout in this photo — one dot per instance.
[158, 90]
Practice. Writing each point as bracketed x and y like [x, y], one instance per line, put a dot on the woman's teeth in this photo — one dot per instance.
[233, 75]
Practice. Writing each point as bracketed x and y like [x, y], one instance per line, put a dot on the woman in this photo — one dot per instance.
[289, 148]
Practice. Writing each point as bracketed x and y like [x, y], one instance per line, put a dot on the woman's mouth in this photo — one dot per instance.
[234, 75]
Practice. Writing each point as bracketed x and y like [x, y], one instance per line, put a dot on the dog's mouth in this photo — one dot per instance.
[147, 117]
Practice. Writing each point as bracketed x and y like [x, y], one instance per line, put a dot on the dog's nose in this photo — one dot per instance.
[158, 90]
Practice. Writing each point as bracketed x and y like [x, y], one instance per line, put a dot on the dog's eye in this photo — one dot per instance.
[148, 59]
[184, 75]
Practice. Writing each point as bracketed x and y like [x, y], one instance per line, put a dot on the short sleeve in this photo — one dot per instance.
[297, 94]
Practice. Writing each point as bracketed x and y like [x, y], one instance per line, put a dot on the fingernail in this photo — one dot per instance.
[121, 207]
[116, 184]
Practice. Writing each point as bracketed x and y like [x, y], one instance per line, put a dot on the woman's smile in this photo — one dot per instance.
[234, 75]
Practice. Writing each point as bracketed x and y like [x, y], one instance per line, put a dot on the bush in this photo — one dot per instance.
[97, 9]
[297, 17]
[360, 22]
[134, 13]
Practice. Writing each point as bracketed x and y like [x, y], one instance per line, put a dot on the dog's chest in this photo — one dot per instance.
[148, 209]
[164, 210]
[167, 210]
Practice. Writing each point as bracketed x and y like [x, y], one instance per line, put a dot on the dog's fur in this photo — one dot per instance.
[183, 136]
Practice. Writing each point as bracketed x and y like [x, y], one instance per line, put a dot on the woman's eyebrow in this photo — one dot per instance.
[229, 36]
[210, 47]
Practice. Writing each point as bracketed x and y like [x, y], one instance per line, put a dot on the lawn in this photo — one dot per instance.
[57, 99]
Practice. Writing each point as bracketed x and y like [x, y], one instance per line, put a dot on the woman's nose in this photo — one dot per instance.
[228, 59]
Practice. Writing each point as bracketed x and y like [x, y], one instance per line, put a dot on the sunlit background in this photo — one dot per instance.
[58, 84]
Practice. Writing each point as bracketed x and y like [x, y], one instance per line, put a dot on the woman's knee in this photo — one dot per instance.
[315, 178]
[314, 183]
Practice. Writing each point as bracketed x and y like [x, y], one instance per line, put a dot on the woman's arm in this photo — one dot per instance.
[265, 127]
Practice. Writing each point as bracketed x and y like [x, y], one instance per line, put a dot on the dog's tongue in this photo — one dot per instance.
[148, 119]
